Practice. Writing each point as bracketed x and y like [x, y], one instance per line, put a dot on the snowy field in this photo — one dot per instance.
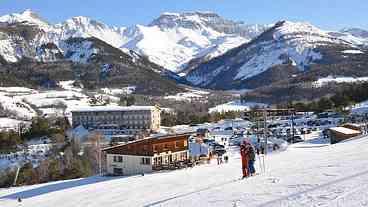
[361, 108]
[323, 81]
[235, 106]
[190, 95]
[68, 85]
[7, 123]
[23, 103]
[9, 100]
[333, 175]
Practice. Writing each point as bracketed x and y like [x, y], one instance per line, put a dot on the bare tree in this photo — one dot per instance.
[93, 151]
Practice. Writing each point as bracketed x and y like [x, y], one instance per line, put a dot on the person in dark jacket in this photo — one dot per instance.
[252, 159]
[226, 158]
[244, 152]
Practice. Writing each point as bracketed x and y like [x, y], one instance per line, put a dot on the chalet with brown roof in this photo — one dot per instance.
[147, 155]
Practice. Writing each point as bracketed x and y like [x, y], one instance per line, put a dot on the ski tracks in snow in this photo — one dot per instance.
[334, 193]
[191, 192]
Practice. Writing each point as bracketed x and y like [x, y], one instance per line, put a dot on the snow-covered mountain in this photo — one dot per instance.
[286, 43]
[357, 32]
[173, 39]
[26, 35]
[28, 17]
[79, 48]
[209, 50]
[85, 27]
[75, 27]
[19, 40]
[356, 36]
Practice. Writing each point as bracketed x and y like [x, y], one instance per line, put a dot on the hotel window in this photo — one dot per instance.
[118, 158]
[166, 146]
[183, 156]
[145, 161]
[118, 171]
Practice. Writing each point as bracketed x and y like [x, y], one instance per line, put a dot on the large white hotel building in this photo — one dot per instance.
[128, 120]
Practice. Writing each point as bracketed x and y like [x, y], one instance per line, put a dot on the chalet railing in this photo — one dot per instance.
[171, 165]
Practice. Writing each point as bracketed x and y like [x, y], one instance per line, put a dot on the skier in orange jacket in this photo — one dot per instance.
[244, 152]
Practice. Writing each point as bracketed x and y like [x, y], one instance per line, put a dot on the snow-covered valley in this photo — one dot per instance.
[333, 175]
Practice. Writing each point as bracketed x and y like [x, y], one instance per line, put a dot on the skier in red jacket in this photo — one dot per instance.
[244, 152]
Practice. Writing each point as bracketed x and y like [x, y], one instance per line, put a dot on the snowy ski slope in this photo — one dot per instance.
[334, 175]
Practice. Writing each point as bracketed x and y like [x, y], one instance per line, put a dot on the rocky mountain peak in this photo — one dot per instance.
[82, 21]
[27, 16]
[199, 20]
[188, 20]
[293, 28]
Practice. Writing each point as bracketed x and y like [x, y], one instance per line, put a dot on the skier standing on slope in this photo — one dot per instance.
[244, 152]
[252, 159]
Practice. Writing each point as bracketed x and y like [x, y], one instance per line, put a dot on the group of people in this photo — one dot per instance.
[219, 159]
[248, 157]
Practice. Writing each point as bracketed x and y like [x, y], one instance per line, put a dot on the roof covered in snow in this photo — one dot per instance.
[114, 108]
[344, 130]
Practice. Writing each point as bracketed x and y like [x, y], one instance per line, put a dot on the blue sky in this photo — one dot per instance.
[327, 14]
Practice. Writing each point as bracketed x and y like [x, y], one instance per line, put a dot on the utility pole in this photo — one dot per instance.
[292, 125]
[290, 106]
[265, 130]
[99, 154]
[16, 177]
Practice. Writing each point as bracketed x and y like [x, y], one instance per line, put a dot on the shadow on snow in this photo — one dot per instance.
[58, 186]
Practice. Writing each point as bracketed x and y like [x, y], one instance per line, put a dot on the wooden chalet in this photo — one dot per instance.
[148, 154]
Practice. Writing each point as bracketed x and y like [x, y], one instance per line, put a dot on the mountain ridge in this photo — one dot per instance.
[286, 43]
[182, 43]
[202, 49]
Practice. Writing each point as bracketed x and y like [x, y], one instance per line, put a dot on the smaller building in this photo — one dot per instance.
[147, 155]
[198, 150]
[352, 126]
[203, 133]
[121, 139]
[222, 137]
[338, 134]
[79, 133]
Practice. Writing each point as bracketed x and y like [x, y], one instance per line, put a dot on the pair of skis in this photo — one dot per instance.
[262, 166]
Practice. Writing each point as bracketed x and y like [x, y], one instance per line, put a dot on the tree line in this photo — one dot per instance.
[350, 94]
[66, 159]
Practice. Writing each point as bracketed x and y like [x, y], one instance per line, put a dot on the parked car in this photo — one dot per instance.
[209, 141]
[217, 146]
[216, 128]
[220, 151]
[295, 139]
[272, 143]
